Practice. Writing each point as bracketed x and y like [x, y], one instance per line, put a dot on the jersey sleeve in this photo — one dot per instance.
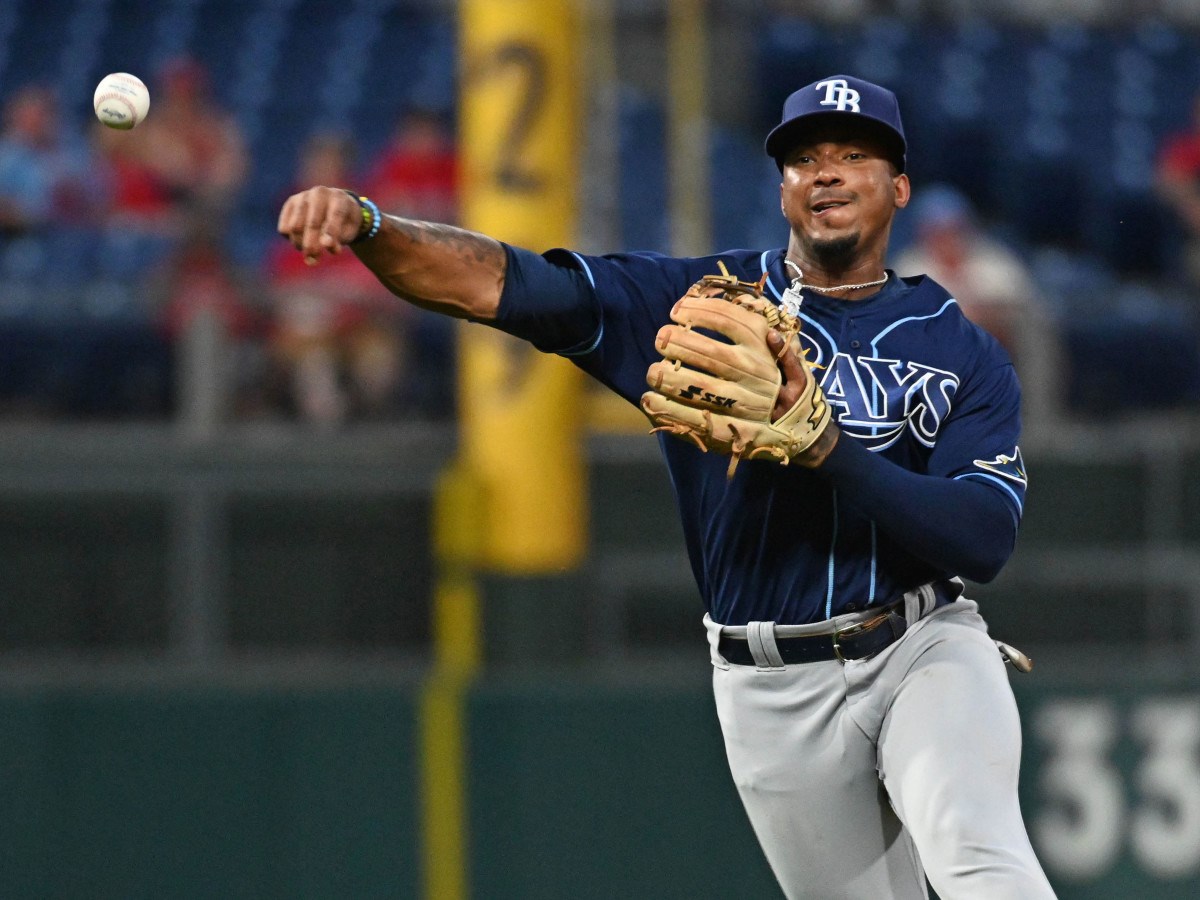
[636, 293]
[552, 307]
[601, 312]
[978, 441]
[961, 513]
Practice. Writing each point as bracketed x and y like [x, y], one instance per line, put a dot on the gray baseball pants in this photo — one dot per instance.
[862, 778]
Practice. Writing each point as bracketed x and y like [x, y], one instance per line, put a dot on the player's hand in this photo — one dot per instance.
[793, 371]
[320, 220]
[794, 375]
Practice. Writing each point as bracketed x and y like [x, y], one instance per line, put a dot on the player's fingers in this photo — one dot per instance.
[697, 389]
[320, 219]
[312, 235]
[733, 361]
[343, 220]
[794, 373]
[291, 218]
[740, 325]
[295, 219]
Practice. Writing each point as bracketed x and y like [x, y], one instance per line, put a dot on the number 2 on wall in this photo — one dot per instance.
[513, 171]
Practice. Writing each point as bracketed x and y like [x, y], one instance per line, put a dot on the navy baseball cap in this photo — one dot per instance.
[840, 96]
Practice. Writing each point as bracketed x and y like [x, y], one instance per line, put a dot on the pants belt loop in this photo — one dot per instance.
[919, 602]
[928, 599]
[761, 638]
[914, 606]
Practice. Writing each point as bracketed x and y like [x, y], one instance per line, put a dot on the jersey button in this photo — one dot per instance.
[856, 344]
[851, 607]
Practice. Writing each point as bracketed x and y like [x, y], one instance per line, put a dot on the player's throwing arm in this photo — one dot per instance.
[439, 267]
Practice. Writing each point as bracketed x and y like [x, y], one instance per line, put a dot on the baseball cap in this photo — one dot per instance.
[841, 96]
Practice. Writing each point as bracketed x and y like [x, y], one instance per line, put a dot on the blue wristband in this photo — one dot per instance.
[372, 218]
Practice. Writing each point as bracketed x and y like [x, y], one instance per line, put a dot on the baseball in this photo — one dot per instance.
[121, 100]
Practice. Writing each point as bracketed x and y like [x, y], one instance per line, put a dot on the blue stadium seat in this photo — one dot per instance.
[1138, 353]
[130, 35]
[281, 136]
[745, 195]
[1043, 198]
[35, 43]
[643, 187]
[1135, 233]
[126, 255]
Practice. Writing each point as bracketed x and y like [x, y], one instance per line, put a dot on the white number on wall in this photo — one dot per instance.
[1165, 829]
[1089, 815]
[1078, 832]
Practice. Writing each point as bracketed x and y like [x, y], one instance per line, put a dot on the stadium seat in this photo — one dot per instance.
[643, 164]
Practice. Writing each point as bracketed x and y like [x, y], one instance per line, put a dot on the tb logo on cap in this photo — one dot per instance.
[839, 94]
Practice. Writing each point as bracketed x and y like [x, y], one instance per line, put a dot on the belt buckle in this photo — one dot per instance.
[852, 630]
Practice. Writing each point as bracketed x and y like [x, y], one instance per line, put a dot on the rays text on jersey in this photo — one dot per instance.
[876, 399]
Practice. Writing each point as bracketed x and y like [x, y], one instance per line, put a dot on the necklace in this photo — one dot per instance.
[798, 283]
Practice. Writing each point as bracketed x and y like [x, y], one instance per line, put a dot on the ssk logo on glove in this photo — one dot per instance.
[692, 392]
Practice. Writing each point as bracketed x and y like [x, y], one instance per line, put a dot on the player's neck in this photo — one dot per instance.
[851, 282]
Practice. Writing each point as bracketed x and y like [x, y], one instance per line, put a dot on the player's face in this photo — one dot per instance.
[841, 190]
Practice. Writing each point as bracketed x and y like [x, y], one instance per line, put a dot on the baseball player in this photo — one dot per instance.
[842, 445]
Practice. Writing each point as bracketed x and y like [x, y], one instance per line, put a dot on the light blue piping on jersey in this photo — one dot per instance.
[832, 549]
[999, 481]
[600, 331]
[833, 540]
[875, 352]
[586, 269]
[871, 596]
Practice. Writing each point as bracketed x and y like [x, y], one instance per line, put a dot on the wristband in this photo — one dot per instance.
[372, 218]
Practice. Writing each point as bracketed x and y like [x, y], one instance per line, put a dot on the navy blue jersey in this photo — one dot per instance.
[908, 377]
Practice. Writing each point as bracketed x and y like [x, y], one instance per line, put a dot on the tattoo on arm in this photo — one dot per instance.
[440, 267]
[470, 246]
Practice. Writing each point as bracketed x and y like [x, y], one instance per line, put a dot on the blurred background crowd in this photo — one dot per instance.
[1055, 154]
[116, 246]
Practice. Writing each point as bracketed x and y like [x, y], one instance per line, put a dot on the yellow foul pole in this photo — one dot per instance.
[520, 415]
[513, 502]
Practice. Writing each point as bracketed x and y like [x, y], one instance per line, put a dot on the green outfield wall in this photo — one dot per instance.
[213, 663]
[578, 787]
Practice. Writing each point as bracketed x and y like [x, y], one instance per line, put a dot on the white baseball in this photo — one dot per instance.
[121, 100]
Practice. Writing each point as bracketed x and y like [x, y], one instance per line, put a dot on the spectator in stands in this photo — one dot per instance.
[42, 166]
[992, 286]
[338, 340]
[417, 173]
[210, 312]
[194, 148]
[990, 283]
[1177, 179]
[142, 220]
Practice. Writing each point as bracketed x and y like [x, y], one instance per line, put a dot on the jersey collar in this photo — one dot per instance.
[778, 279]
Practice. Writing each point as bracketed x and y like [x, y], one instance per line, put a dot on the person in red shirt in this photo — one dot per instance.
[1177, 179]
[337, 339]
[194, 148]
[417, 172]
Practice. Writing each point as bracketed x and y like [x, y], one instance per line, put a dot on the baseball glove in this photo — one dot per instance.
[720, 394]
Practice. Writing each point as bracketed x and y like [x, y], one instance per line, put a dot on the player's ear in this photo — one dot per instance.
[903, 190]
[782, 201]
